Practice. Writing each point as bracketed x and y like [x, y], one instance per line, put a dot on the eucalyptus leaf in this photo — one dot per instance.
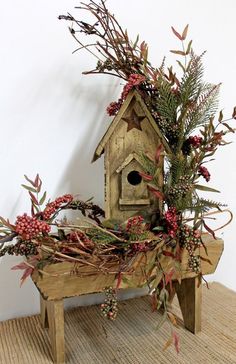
[31, 189]
[42, 200]
[189, 47]
[181, 65]
[205, 188]
[163, 319]
[136, 42]
[158, 228]
[181, 53]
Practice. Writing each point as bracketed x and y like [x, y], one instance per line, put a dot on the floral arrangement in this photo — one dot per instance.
[184, 107]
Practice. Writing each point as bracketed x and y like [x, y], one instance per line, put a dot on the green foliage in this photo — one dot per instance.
[204, 205]
[203, 109]
[167, 102]
[149, 164]
[191, 82]
[100, 237]
[177, 168]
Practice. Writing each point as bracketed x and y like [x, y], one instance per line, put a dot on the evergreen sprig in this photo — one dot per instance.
[204, 205]
[203, 109]
[167, 103]
[191, 81]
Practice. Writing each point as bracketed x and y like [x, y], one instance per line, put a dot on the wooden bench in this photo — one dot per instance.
[58, 283]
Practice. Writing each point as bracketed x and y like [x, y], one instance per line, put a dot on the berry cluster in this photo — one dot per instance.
[140, 247]
[20, 248]
[114, 107]
[53, 206]
[170, 130]
[135, 225]
[180, 190]
[109, 307]
[134, 80]
[184, 178]
[29, 227]
[203, 171]
[195, 141]
[191, 240]
[171, 221]
[194, 263]
[75, 236]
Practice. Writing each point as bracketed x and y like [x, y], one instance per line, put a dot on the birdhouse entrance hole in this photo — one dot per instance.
[134, 178]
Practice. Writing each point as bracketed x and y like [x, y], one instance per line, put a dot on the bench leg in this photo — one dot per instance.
[55, 314]
[43, 313]
[189, 294]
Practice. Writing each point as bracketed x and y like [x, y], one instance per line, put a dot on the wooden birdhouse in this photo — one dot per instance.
[132, 132]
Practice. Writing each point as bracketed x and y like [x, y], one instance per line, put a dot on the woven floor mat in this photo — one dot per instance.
[131, 339]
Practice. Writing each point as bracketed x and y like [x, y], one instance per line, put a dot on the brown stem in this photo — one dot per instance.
[7, 239]
[93, 72]
[68, 258]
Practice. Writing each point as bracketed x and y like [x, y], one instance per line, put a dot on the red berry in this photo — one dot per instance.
[171, 221]
[195, 141]
[31, 227]
[203, 171]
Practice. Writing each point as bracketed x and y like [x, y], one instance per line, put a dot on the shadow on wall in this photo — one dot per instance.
[16, 301]
[81, 176]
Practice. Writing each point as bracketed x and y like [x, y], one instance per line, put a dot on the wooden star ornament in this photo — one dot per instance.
[134, 121]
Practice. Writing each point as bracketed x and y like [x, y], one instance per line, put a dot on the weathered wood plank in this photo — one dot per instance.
[100, 148]
[189, 294]
[133, 96]
[132, 132]
[69, 285]
[55, 311]
[43, 312]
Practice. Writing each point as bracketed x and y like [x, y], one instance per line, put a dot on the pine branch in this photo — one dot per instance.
[177, 168]
[204, 205]
[204, 108]
[148, 165]
[192, 80]
[167, 102]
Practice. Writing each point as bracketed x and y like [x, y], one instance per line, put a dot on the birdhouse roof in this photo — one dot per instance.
[133, 94]
[130, 158]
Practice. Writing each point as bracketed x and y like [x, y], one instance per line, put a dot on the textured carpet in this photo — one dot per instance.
[131, 339]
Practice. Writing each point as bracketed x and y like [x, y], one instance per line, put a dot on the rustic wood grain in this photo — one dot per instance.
[123, 150]
[69, 284]
[189, 294]
[55, 311]
[133, 95]
[59, 282]
[43, 312]
[122, 145]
